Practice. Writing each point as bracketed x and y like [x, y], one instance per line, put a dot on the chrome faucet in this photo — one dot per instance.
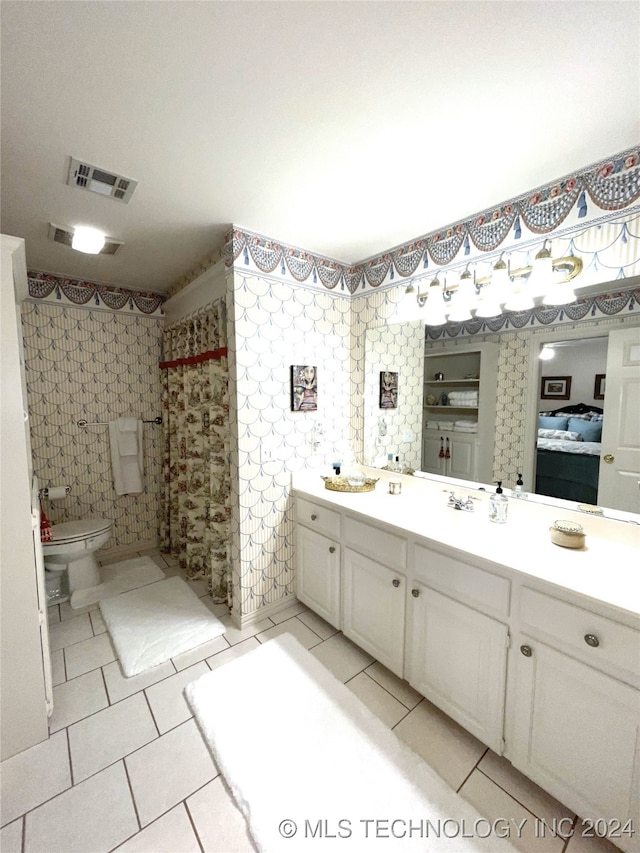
[460, 503]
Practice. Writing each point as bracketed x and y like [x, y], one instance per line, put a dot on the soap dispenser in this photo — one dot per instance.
[517, 492]
[498, 505]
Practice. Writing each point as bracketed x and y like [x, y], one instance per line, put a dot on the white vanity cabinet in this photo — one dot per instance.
[374, 591]
[456, 652]
[574, 723]
[318, 559]
[532, 662]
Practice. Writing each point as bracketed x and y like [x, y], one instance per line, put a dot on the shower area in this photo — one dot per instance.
[195, 516]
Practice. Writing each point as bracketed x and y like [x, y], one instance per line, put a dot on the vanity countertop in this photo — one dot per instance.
[606, 570]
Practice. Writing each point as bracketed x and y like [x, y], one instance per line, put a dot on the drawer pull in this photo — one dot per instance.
[415, 593]
[395, 582]
[592, 640]
[314, 517]
[332, 549]
[609, 458]
[527, 651]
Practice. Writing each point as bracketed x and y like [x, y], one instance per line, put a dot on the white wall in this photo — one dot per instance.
[581, 361]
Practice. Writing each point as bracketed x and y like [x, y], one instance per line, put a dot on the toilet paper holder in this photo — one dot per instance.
[43, 494]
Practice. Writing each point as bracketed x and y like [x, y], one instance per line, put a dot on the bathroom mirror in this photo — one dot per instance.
[580, 353]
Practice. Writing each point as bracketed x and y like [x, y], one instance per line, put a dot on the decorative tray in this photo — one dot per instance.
[342, 484]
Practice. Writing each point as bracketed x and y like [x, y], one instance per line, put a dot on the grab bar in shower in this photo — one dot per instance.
[84, 423]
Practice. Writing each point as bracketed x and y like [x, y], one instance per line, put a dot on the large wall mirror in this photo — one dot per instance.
[471, 409]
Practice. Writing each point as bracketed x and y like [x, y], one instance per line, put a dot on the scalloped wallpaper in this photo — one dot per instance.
[97, 365]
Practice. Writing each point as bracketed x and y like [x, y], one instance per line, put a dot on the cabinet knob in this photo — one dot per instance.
[527, 651]
[592, 640]
[395, 582]
[608, 458]
[313, 516]
[415, 593]
[332, 549]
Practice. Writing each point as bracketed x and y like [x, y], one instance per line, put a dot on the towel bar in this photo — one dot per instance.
[84, 423]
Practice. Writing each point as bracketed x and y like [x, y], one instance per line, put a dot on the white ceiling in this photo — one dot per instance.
[345, 128]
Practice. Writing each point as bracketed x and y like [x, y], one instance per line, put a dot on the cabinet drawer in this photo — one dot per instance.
[367, 539]
[483, 590]
[618, 646]
[318, 517]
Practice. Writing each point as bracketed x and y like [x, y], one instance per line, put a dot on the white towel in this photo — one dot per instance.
[127, 436]
[128, 468]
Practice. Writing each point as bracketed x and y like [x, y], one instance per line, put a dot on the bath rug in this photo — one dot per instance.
[117, 578]
[157, 622]
[310, 767]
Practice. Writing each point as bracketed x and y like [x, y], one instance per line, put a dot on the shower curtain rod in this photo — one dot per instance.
[84, 423]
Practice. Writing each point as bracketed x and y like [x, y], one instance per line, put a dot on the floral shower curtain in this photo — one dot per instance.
[195, 526]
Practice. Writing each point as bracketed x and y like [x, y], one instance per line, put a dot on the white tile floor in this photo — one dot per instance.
[125, 767]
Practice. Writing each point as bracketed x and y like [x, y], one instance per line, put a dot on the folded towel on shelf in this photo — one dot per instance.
[127, 463]
[462, 395]
[465, 426]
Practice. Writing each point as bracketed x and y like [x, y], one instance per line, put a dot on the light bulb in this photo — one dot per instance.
[541, 278]
[547, 353]
[434, 312]
[87, 240]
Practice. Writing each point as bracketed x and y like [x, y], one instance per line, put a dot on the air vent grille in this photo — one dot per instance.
[96, 180]
[65, 235]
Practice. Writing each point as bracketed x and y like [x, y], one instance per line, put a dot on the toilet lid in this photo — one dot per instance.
[71, 531]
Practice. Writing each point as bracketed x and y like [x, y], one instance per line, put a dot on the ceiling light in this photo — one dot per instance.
[88, 240]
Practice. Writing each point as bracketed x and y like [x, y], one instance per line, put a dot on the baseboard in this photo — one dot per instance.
[124, 550]
[246, 620]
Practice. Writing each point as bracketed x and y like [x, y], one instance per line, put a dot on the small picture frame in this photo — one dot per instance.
[388, 390]
[555, 388]
[598, 387]
[304, 388]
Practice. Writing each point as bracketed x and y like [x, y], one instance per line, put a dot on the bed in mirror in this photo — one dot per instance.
[477, 421]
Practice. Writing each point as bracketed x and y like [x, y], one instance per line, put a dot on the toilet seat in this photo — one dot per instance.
[75, 531]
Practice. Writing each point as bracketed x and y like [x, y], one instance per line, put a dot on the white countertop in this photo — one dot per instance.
[606, 570]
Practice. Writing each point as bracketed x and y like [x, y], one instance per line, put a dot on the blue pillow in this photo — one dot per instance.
[589, 430]
[552, 423]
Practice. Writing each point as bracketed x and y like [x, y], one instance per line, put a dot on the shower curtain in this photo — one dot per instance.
[195, 525]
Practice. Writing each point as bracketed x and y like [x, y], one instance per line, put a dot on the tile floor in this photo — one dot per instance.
[125, 767]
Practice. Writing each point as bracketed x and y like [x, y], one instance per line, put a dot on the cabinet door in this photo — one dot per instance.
[463, 456]
[576, 732]
[318, 574]
[431, 462]
[457, 658]
[373, 608]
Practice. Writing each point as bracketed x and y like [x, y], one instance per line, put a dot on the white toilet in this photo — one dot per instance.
[73, 549]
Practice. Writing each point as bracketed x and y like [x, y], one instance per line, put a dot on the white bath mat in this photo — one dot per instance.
[117, 578]
[311, 767]
[152, 624]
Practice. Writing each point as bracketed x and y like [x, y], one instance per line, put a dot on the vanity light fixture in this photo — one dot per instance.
[546, 281]
[87, 240]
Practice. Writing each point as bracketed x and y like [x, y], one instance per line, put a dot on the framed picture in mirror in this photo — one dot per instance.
[598, 388]
[555, 388]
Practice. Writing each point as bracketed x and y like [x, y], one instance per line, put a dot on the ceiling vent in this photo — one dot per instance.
[96, 180]
[65, 235]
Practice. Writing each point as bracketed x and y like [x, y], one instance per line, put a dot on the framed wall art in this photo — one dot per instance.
[598, 387]
[388, 390]
[555, 388]
[304, 388]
